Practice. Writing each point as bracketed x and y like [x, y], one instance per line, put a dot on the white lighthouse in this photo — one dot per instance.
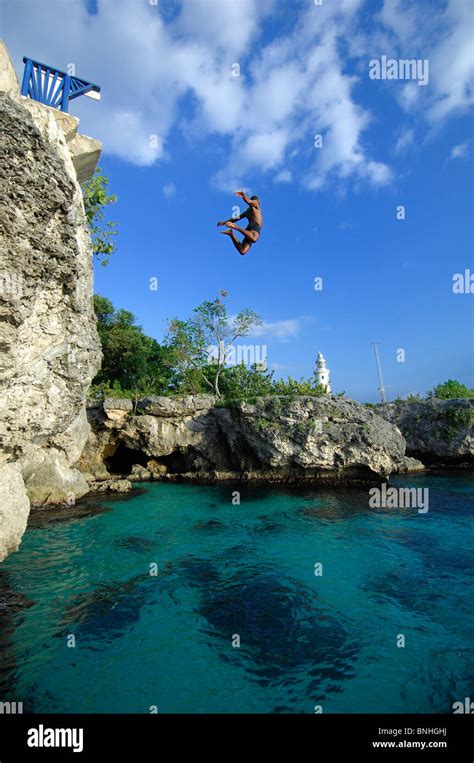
[322, 373]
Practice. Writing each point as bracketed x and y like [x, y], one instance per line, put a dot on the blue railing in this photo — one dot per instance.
[52, 86]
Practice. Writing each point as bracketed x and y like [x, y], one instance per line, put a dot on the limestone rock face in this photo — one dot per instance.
[139, 474]
[155, 469]
[117, 409]
[49, 478]
[14, 508]
[8, 81]
[331, 435]
[50, 349]
[411, 466]
[113, 486]
[175, 407]
[435, 430]
[278, 439]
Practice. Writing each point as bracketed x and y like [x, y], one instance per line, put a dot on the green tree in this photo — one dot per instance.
[96, 198]
[201, 345]
[449, 389]
[133, 362]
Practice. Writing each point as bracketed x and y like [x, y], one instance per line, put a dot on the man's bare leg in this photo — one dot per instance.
[242, 248]
[250, 234]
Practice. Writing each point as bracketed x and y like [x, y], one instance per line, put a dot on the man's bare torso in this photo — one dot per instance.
[254, 215]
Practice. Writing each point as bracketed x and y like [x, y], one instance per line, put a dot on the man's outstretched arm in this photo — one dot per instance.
[250, 202]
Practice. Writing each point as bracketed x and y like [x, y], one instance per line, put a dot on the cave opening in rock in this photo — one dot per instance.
[176, 462]
[123, 458]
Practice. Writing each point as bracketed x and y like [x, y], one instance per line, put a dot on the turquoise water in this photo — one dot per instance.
[224, 570]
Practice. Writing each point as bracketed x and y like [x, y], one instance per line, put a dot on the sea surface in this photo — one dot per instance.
[180, 599]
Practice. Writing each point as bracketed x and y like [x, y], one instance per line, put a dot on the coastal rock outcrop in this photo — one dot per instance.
[50, 349]
[436, 431]
[326, 439]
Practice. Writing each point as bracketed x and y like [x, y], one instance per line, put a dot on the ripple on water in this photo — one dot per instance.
[135, 543]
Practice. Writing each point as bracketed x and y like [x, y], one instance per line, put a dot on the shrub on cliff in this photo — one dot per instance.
[96, 198]
[243, 383]
[247, 384]
[294, 387]
[449, 389]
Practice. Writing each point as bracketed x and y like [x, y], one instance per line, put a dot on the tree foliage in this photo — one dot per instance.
[96, 199]
[201, 344]
[243, 383]
[132, 361]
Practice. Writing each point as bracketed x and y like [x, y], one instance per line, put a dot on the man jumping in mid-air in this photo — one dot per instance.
[251, 233]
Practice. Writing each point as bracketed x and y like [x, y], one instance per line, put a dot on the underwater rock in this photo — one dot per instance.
[109, 611]
[282, 628]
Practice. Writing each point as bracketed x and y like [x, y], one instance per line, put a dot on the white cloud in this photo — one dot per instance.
[289, 102]
[460, 151]
[284, 176]
[169, 190]
[267, 113]
[452, 62]
[400, 17]
[282, 330]
[404, 140]
[128, 135]
[265, 149]
[444, 37]
[377, 172]
[160, 71]
[228, 26]
[410, 96]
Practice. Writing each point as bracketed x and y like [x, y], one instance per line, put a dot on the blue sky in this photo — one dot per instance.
[180, 133]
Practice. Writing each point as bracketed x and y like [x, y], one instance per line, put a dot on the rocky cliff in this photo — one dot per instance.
[49, 345]
[325, 439]
[436, 431]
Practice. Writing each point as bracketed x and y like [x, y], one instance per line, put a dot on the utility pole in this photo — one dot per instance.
[379, 371]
